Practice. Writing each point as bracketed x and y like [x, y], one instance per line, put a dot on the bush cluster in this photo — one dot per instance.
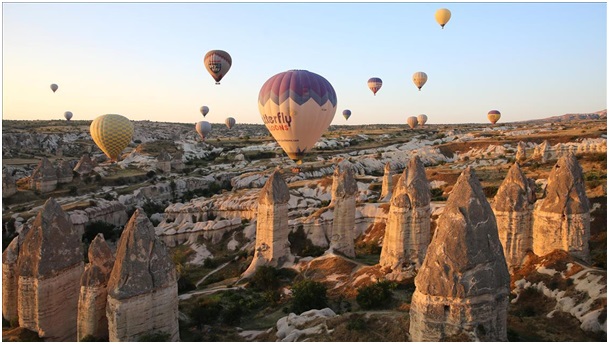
[375, 296]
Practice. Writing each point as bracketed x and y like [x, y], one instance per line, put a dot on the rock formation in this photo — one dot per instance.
[462, 287]
[44, 177]
[521, 153]
[64, 172]
[344, 193]
[561, 220]
[513, 208]
[9, 280]
[92, 318]
[387, 186]
[176, 162]
[9, 187]
[272, 245]
[142, 289]
[112, 212]
[85, 165]
[407, 233]
[164, 162]
[542, 152]
[50, 266]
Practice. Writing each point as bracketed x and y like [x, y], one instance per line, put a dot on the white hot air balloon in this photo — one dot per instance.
[203, 128]
[422, 119]
[68, 115]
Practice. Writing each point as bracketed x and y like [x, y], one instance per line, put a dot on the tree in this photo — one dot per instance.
[377, 295]
[308, 294]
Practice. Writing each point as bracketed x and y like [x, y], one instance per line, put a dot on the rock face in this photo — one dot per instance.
[387, 186]
[407, 233]
[44, 177]
[462, 287]
[176, 163]
[112, 212]
[561, 220]
[164, 162]
[84, 166]
[142, 289]
[542, 152]
[9, 280]
[513, 208]
[92, 318]
[50, 266]
[64, 172]
[272, 245]
[344, 194]
[521, 153]
[9, 187]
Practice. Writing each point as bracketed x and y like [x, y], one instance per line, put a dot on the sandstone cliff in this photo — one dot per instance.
[561, 220]
[142, 289]
[462, 287]
[344, 193]
[9, 187]
[50, 265]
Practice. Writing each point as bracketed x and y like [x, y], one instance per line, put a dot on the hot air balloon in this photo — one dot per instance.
[217, 63]
[230, 122]
[493, 116]
[375, 84]
[297, 106]
[54, 87]
[422, 119]
[68, 115]
[203, 128]
[204, 110]
[111, 133]
[442, 16]
[346, 114]
[412, 122]
[419, 79]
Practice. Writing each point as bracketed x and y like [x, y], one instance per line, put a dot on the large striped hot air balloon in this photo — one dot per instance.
[54, 87]
[375, 84]
[419, 79]
[422, 119]
[203, 128]
[297, 106]
[111, 133]
[412, 122]
[493, 116]
[217, 63]
[347, 113]
[230, 122]
[442, 16]
[204, 110]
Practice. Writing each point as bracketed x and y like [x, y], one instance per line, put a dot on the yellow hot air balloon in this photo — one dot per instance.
[442, 16]
[297, 106]
[419, 79]
[493, 116]
[111, 133]
[412, 122]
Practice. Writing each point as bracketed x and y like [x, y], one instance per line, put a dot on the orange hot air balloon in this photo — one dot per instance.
[493, 116]
[217, 63]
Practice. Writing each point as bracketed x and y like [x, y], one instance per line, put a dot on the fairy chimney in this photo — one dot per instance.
[85, 165]
[64, 172]
[176, 163]
[272, 245]
[50, 266]
[513, 207]
[92, 320]
[407, 233]
[521, 153]
[462, 287]
[164, 162]
[142, 289]
[561, 220]
[344, 194]
[44, 177]
[9, 187]
[387, 186]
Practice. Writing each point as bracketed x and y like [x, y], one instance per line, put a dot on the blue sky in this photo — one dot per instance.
[145, 60]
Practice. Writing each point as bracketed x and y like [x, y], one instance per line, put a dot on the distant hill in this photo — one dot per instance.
[574, 117]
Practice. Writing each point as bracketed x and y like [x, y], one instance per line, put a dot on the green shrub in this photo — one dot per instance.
[109, 231]
[375, 296]
[265, 278]
[436, 195]
[155, 337]
[92, 338]
[308, 294]
[356, 324]
[302, 246]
